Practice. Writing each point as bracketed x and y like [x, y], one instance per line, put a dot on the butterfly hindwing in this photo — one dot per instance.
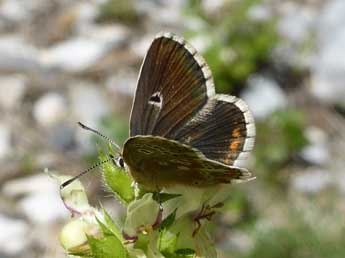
[174, 84]
[223, 130]
[157, 162]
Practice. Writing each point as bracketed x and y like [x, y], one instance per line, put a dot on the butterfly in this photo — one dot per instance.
[181, 132]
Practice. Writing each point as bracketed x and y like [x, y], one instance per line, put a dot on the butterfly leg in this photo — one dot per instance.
[207, 213]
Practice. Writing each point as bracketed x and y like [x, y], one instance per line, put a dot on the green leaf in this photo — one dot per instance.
[108, 247]
[104, 228]
[111, 225]
[167, 242]
[118, 181]
[164, 197]
[168, 221]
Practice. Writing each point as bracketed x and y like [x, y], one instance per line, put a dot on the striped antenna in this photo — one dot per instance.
[100, 134]
[66, 183]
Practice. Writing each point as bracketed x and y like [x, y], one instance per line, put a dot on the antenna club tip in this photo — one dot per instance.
[64, 184]
[67, 182]
[81, 124]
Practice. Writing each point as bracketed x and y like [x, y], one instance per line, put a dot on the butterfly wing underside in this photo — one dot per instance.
[173, 85]
[156, 162]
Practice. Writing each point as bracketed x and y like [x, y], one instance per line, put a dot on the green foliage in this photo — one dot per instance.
[117, 127]
[279, 138]
[118, 11]
[239, 47]
[298, 240]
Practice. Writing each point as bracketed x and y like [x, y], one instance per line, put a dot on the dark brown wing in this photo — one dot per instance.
[223, 130]
[173, 85]
[156, 162]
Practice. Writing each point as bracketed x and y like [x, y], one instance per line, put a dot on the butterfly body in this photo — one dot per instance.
[156, 162]
[181, 132]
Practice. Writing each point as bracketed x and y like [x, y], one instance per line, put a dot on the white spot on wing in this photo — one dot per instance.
[190, 48]
[226, 98]
[200, 60]
[248, 117]
[207, 72]
[250, 130]
[249, 144]
[241, 105]
[164, 34]
[179, 40]
[210, 91]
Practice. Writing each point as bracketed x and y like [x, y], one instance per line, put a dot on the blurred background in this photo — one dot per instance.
[64, 61]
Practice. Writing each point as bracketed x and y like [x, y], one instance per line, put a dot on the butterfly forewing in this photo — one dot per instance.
[173, 85]
[156, 162]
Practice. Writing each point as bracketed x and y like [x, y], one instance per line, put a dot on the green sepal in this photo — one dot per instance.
[118, 181]
[107, 247]
[111, 225]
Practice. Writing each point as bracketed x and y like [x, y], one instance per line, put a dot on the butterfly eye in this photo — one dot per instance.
[120, 162]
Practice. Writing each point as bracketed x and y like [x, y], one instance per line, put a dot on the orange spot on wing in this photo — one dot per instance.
[234, 144]
[236, 133]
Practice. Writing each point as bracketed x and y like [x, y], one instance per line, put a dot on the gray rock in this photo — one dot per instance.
[50, 109]
[259, 12]
[311, 181]
[13, 235]
[212, 7]
[112, 36]
[88, 105]
[88, 102]
[81, 52]
[74, 55]
[263, 96]
[5, 141]
[87, 13]
[317, 152]
[29, 185]
[12, 90]
[18, 55]
[62, 137]
[43, 207]
[14, 11]
[41, 203]
[296, 24]
[327, 71]
[123, 82]
[330, 21]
